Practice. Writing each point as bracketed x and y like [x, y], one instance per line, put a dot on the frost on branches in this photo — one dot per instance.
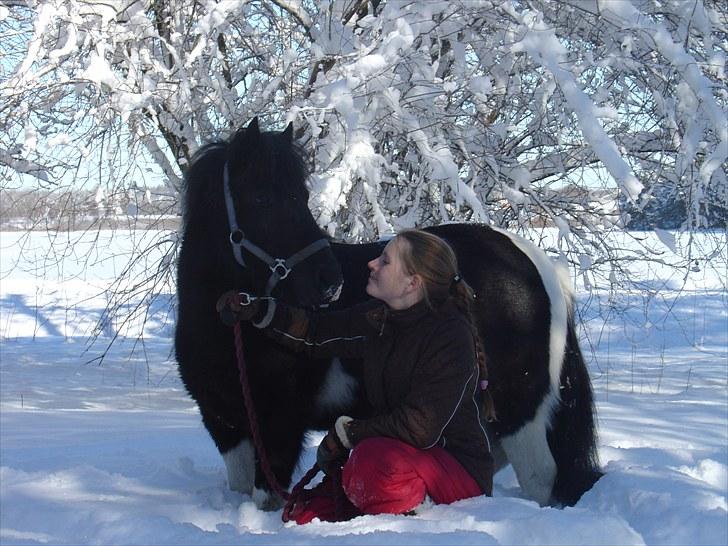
[572, 113]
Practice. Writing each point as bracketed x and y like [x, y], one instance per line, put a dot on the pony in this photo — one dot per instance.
[245, 201]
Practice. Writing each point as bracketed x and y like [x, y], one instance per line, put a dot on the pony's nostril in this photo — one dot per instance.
[329, 280]
[335, 292]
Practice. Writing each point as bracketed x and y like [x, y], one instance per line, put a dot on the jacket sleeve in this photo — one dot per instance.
[444, 376]
[321, 334]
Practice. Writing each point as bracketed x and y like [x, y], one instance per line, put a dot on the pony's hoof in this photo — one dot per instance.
[267, 500]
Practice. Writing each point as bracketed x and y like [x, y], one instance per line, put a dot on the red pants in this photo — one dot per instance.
[384, 475]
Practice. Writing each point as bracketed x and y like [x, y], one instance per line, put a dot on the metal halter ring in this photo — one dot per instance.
[245, 298]
[280, 263]
[237, 236]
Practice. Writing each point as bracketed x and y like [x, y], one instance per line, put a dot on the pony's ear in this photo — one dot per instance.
[252, 130]
[288, 133]
[244, 139]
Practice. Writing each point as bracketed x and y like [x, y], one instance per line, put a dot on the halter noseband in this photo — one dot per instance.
[280, 267]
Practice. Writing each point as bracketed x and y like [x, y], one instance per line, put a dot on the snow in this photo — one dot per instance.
[667, 238]
[115, 453]
[99, 71]
[69, 44]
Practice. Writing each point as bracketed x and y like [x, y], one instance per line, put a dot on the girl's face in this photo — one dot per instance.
[388, 280]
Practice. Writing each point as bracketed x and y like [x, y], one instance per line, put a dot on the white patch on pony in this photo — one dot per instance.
[558, 289]
[240, 465]
[528, 451]
[337, 390]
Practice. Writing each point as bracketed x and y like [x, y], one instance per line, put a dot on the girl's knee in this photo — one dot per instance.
[364, 460]
[379, 477]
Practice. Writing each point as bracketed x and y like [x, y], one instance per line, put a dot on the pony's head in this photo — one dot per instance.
[267, 175]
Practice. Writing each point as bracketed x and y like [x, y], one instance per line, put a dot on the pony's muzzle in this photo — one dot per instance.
[330, 282]
[333, 293]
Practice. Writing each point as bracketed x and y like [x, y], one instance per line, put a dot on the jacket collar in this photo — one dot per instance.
[381, 316]
[411, 315]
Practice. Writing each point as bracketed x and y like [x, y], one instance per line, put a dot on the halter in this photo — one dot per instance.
[279, 267]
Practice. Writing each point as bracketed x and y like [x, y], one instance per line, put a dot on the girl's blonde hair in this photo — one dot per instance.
[433, 259]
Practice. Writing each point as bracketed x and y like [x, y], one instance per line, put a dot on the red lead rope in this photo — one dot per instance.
[273, 482]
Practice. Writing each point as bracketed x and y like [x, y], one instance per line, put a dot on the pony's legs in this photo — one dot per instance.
[528, 451]
[233, 444]
[500, 459]
[241, 474]
[282, 434]
[240, 465]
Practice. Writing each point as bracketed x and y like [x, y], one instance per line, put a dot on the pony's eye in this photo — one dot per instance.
[263, 200]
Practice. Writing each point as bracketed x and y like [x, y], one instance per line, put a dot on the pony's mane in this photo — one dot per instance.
[206, 164]
[203, 180]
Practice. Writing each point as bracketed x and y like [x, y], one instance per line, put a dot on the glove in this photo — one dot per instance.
[234, 306]
[333, 451]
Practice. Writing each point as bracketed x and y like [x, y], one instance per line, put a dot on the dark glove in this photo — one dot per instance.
[234, 306]
[331, 453]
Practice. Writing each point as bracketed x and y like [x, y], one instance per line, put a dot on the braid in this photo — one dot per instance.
[433, 259]
[463, 295]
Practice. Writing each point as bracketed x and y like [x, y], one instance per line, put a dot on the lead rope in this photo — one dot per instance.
[292, 497]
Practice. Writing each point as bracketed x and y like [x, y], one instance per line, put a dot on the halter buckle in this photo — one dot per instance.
[279, 266]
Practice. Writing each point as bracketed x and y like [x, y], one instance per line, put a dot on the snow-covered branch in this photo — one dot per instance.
[585, 114]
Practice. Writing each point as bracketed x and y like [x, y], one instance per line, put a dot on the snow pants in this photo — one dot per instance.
[384, 475]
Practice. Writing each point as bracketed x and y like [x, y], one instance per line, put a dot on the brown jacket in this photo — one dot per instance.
[420, 374]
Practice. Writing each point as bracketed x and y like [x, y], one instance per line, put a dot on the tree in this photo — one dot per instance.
[415, 112]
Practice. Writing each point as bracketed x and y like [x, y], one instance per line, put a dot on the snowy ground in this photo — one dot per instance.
[116, 454]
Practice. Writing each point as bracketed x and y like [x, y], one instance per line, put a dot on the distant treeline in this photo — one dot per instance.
[71, 210]
[667, 206]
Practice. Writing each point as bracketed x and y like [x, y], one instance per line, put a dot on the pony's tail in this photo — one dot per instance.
[573, 437]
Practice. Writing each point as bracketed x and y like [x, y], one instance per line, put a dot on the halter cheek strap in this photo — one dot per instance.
[280, 267]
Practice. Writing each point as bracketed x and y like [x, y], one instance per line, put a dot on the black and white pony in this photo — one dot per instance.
[247, 226]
